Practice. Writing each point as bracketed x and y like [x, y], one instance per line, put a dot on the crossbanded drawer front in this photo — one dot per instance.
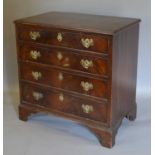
[60, 79]
[66, 103]
[65, 59]
[70, 39]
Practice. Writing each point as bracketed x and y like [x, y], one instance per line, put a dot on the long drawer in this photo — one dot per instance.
[65, 38]
[66, 80]
[55, 100]
[65, 58]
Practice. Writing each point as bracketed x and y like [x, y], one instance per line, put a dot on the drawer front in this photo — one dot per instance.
[65, 59]
[60, 79]
[66, 103]
[64, 38]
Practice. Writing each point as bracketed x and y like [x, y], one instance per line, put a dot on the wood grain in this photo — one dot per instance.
[71, 39]
[70, 104]
[81, 22]
[124, 78]
[51, 77]
[68, 59]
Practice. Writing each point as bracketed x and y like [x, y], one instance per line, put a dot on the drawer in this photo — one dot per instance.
[65, 58]
[59, 101]
[65, 38]
[65, 80]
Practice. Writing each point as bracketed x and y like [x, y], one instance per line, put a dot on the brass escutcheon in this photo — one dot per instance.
[61, 97]
[59, 37]
[59, 56]
[61, 76]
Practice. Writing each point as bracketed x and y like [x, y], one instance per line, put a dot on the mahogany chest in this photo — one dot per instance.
[79, 66]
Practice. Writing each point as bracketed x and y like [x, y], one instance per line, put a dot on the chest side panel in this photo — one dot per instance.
[124, 76]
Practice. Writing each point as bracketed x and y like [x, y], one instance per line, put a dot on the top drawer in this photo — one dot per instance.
[64, 38]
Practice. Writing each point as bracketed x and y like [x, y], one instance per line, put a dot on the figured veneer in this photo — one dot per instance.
[60, 101]
[66, 80]
[71, 39]
[84, 62]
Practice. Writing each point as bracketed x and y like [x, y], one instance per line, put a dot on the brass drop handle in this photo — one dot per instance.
[37, 96]
[86, 63]
[59, 37]
[36, 75]
[87, 42]
[87, 108]
[86, 86]
[35, 54]
[34, 35]
[61, 97]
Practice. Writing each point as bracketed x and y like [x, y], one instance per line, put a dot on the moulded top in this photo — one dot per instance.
[82, 22]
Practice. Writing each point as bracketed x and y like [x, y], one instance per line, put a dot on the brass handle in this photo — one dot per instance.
[86, 63]
[37, 96]
[87, 108]
[87, 42]
[59, 56]
[34, 35]
[60, 76]
[35, 54]
[61, 97]
[86, 85]
[59, 37]
[36, 75]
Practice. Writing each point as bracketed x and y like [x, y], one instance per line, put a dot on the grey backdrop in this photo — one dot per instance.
[14, 9]
[54, 136]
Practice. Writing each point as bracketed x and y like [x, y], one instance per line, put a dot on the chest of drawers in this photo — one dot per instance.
[81, 67]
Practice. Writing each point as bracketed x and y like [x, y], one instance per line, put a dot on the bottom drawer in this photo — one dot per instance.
[64, 102]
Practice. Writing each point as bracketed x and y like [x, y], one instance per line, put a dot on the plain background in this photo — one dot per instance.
[17, 133]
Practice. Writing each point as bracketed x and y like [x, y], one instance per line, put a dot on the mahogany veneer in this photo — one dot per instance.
[81, 67]
[70, 59]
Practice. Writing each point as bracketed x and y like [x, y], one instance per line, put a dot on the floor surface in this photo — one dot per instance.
[50, 135]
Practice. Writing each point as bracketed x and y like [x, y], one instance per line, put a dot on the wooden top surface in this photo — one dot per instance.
[82, 22]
